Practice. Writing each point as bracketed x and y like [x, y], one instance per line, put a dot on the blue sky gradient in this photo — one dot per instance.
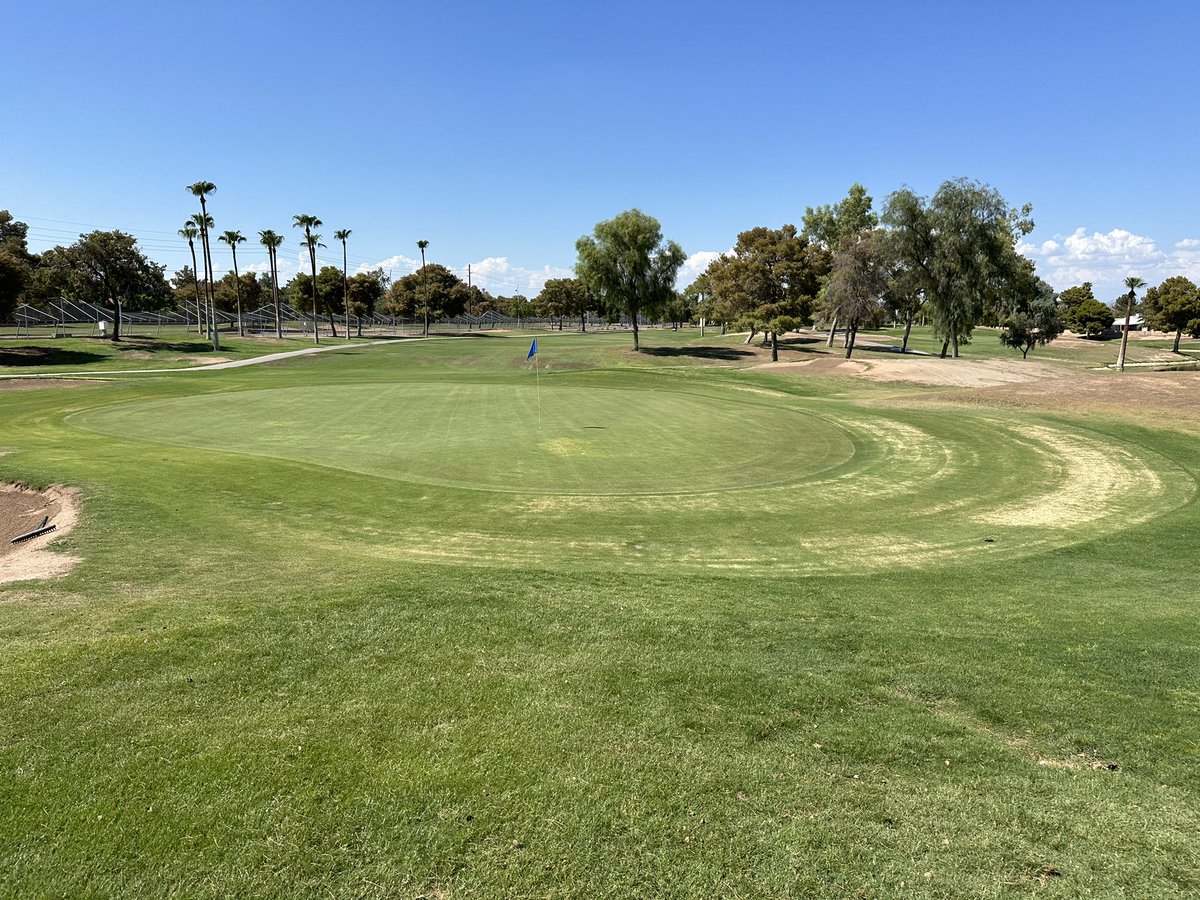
[503, 132]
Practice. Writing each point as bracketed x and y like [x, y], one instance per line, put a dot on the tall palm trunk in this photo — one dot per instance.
[312, 259]
[238, 284]
[1125, 334]
[196, 284]
[275, 294]
[208, 280]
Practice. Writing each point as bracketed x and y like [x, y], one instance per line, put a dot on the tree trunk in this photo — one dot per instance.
[583, 323]
[312, 258]
[945, 347]
[237, 282]
[850, 341]
[753, 332]
[774, 346]
[116, 331]
[635, 333]
[333, 325]
[832, 330]
[1178, 335]
[1124, 338]
[275, 295]
[1025, 352]
[907, 328]
[196, 282]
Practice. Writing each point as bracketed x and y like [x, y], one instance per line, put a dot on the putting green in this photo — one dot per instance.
[650, 477]
[559, 440]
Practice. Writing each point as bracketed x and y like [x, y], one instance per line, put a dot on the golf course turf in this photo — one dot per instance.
[420, 620]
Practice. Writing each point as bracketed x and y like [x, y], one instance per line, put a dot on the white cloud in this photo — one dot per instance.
[495, 274]
[1107, 258]
[694, 266]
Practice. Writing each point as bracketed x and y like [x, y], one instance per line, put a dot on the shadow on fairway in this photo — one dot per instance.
[46, 356]
[698, 352]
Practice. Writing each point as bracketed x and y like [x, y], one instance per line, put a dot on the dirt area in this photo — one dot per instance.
[28, 384]
[960, 372]
[818, 365]
[22, 509]
[923, 370]
[1150, 397]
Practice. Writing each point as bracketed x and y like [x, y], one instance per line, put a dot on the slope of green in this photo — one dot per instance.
[318, 645]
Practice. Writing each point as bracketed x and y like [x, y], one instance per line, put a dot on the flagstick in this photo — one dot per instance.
[537, 374]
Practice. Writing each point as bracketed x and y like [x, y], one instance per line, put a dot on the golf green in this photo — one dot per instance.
[502, 437]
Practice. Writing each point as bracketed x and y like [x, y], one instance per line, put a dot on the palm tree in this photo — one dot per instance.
[204, 222]
[1133, 283]
[424, 287]
[341, 235]
[271, 241]
[190, 232]
[202, 189]
[233, 238]
[312, 242]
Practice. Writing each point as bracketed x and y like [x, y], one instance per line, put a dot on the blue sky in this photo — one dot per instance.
[503, 132]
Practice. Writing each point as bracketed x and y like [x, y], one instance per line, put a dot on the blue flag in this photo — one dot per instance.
[532, 350]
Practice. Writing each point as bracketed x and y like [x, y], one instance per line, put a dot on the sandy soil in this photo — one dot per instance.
[21, 510]
[1150, 397]
[960, 372]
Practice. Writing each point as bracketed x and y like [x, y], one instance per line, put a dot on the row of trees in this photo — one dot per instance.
[950, 258]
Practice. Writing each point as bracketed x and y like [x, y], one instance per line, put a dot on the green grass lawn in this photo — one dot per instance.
[171, 350]
[415, 620]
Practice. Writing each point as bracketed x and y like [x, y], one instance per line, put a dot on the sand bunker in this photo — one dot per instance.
[22, 509]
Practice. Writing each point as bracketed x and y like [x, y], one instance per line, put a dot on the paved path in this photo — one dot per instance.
[232, 364]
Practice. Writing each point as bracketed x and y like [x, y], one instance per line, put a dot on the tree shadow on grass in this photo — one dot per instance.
[154, 345]
[47, 356]
[727, 353]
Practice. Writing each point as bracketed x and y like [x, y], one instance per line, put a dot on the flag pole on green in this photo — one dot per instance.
[538, 375]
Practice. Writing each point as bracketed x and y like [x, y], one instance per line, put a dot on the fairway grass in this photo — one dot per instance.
[369, 625]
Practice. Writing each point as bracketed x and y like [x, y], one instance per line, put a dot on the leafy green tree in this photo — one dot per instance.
[1073, 296]
[562, 297]
[769, 282]
[700, 299]
[272, 242]
[960, 249]
[16, 263]
[1089, 317]
[1134, 283]
[312, 241]
[830, 227]
[1174, 306]
[233, 289]
[857, 284]
[233, 238]
[431, 291]
[628, 267]
[342, 235]
[365, 292]
[1034, 323]
[107, 268]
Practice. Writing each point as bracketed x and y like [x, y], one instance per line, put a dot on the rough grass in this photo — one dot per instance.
[276, 676]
